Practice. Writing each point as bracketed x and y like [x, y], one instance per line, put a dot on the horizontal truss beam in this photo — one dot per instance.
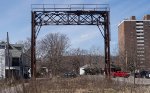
[69, 17]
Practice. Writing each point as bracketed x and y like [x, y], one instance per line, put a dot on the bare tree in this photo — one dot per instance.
[26, 50]
[52, 47]
[94, 55]
[26, 44]
[78, 58]
[128, 59]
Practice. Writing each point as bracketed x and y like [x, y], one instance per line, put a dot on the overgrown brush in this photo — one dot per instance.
[84, 84]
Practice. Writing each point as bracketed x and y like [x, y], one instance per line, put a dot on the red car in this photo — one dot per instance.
[120, 74]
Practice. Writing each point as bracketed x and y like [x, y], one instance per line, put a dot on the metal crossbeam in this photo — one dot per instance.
[70, 15]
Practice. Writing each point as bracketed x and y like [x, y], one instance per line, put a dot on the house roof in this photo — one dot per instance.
[15, 53]
[93, 65]
[85, 66]
[16, 50]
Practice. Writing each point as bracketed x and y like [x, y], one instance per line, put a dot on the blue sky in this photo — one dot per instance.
[15, 18]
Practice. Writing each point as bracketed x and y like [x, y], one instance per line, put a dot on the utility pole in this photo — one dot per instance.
[8, 56]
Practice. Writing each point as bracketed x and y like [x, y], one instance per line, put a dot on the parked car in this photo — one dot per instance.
[120, 74]
[70, 74]
[142, 74]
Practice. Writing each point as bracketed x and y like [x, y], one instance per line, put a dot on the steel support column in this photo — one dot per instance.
[107, 45]
[33, 46]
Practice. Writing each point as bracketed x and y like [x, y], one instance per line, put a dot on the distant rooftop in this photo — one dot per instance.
[133, 18]
[70, 7]
[11, 46]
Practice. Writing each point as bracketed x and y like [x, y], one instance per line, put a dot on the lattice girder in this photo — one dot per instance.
[69, 17]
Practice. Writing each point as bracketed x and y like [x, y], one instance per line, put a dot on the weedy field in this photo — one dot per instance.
[85, 84]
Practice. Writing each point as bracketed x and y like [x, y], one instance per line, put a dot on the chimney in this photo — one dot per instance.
[146, 17]
[132, 18]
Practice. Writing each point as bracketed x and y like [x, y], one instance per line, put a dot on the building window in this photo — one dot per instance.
[141, 62]
[140, 51]
[140, 55]
[140, 41]
[140, 48]
[139, 30]
[139, 27]
[2, 46]
[140, 37]
[142, 59]
[139, 34]
[140, 44]
[15, 61]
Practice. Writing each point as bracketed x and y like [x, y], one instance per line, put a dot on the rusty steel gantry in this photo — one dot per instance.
[75, 14]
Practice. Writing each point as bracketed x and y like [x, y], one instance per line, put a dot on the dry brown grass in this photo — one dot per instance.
[85, 84]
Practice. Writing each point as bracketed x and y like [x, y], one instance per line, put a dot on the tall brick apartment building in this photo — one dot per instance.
[134, 42]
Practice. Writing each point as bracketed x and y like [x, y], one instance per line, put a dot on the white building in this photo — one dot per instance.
[82, 69]
[134, 42]
[2, 63]
[12, 65]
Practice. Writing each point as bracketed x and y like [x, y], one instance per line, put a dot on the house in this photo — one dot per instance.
[12, 61]
[82, 69]
[92, 69]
